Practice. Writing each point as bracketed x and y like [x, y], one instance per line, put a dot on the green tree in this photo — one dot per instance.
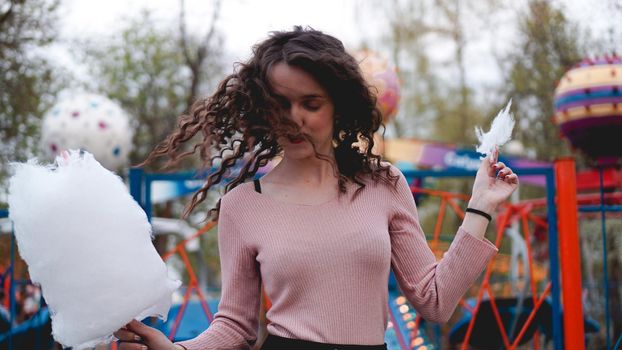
[151, 75]
[438, 100]
[406, 39]
[549, 44]
[28, 81]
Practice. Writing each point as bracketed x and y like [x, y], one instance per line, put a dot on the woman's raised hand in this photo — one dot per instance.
[494, 183]
[138, 336]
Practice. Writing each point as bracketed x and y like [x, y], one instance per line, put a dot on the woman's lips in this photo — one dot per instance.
[296, 140]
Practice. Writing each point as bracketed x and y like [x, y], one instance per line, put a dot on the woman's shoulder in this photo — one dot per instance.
[383, 181]
[395, 183]
[237, 195]
[392, 168]
[392, 174]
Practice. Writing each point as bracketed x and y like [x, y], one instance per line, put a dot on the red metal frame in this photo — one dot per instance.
[509, 213]
[193, 284]
[570, 256]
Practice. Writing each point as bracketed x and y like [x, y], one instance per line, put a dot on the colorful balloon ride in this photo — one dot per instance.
[588, 107]
[383, 78]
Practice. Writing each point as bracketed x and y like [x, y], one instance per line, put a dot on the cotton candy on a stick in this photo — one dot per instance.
[500, 132]
[88, 244]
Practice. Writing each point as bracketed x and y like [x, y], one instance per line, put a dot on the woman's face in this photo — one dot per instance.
[306, 103]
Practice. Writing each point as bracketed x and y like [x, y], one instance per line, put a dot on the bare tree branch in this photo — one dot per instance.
[195, 63]
[5, 15]
[208, 38]
[182, 32]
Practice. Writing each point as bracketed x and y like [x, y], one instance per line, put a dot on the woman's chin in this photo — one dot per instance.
[302, 153]
[299, 154]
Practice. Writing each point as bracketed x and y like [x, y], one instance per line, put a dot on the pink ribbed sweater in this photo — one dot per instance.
[326, 267]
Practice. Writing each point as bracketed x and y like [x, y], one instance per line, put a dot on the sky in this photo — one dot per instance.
[243, 21]
[246, 22]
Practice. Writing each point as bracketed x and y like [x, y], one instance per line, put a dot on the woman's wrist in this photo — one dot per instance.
[480, 213]
[482, 205]
[475, 223]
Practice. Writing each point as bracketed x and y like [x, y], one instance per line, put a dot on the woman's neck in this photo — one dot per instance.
[316, 172]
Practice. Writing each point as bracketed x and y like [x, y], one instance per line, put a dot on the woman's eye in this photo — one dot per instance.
[312, 106]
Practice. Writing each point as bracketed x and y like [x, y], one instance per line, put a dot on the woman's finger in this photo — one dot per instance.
[132, 346]
[505, 172]
[139, 328]
[125, 335]
[495, 168]
[488, 167]
[495, 154]
[500, 165]
[510, 179]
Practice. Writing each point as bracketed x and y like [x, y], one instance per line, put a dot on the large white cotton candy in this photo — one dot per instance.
[500, 132]
[88, 244]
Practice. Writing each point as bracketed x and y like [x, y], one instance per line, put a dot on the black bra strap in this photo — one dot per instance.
[257, 185]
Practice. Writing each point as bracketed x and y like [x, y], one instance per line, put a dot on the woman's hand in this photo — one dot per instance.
[494, 183]
[138, 336]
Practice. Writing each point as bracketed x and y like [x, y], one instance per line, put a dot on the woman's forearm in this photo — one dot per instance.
[476, 224]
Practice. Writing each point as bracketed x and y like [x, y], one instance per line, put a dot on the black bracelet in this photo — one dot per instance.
[479, 212]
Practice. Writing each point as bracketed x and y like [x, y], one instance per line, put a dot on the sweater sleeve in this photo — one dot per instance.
[434, 288]
[235, 324]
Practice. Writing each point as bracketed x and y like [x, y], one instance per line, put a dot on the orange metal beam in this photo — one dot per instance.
[495, 312]
[438, 193]
[531, 316]
[525, 224]
[208, 226]
[459, 212]
[180, 313]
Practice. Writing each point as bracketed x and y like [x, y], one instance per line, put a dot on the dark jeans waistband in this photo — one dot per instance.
[274, 342]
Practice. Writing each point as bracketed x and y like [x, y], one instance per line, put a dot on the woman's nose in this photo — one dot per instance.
[297, 115]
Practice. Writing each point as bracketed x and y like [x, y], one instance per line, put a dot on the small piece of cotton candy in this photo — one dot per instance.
[500, 132]
[88, 244]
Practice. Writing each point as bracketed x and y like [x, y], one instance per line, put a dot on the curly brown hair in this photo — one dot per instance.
[242, 120]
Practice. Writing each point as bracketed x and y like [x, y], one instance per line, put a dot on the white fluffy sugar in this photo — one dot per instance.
[500, 132]
[88, 244]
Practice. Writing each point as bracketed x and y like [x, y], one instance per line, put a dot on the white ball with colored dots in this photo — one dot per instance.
[90, 122]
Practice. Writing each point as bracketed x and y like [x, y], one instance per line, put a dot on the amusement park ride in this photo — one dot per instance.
[531, 294]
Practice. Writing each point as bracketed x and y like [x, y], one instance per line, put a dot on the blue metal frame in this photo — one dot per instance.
[618, 343]
[602, 208]
[140, 184]
[551, 211]
[603, 225]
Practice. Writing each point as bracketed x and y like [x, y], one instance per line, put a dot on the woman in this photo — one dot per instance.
[323, 229]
